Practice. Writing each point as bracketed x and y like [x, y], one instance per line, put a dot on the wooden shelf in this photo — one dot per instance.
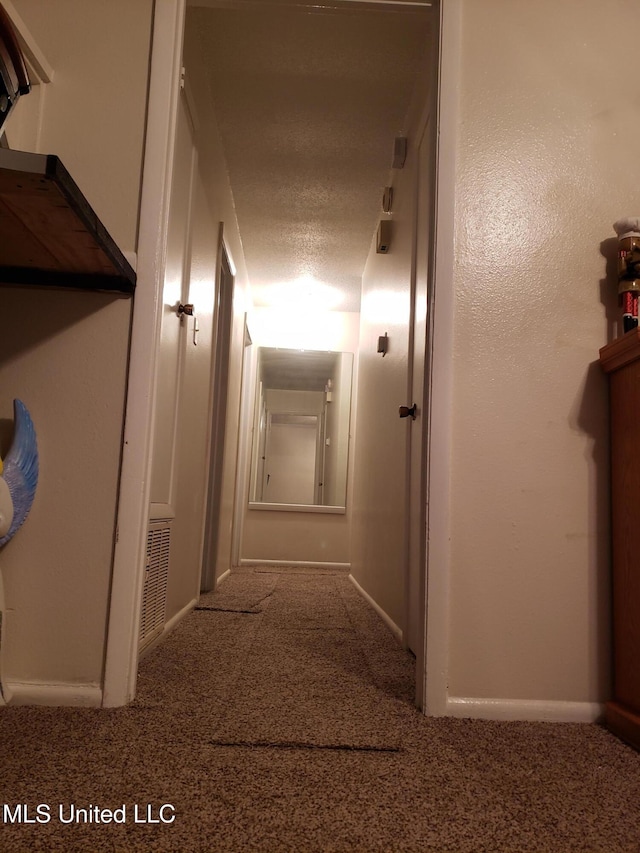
[50, 235]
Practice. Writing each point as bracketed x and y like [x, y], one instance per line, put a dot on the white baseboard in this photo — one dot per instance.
[169, 627]
[303, 564]
[43, 693]
[223, 577]
[533, 710]
[175, 620]
[381, 613]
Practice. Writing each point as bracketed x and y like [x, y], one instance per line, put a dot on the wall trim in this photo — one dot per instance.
[243, 468]
[175, 620]
[321, 508]
[51, 693]
[391, 4]
[169, 627]
[222, 577]
[303, 564]
[395, 630]
[433, 659]
[531, 710]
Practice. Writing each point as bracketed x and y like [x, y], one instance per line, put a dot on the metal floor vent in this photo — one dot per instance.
[154, 596]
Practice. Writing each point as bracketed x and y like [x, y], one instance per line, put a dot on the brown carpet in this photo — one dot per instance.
[278, 717]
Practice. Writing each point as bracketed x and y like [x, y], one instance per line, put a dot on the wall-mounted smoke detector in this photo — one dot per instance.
[383, 238]
[399, 152]
[387, 200]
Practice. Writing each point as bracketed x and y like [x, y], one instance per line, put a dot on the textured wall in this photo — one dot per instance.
[65, 353]
[547, 152]
[92, 114]
[380, 506]
[379, 536]
[69, 367]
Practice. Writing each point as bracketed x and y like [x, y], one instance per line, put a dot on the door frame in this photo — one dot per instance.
[433, 656]
[123, 625]
[121, 655]
[245, 444]
[218, 398]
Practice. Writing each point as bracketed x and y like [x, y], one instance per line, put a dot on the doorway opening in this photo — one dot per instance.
[323, 139]
[337, 196]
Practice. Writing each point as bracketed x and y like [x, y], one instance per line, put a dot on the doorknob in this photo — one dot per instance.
[405, 411]
[187, 308]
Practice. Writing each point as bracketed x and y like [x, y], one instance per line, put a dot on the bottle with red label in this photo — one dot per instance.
[628, 231]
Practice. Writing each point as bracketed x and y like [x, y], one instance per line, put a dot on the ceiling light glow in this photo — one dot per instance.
[386, 306]
[303, 294]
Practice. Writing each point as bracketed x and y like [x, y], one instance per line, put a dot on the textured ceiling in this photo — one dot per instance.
[294, 370]
[309, 101]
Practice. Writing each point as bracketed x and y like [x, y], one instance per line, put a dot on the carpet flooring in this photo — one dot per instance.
[278, 716]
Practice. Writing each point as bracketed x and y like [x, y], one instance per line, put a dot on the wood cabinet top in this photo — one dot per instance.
[621, 352]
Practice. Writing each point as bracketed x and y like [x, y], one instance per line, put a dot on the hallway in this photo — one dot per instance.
[279, 717]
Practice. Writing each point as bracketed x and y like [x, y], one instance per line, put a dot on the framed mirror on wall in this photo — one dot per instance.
[301, 430]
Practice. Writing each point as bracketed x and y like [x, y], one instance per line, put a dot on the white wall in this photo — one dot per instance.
[68, 364]
[379, 543]
[92, 114]
[300, 536]
[547, 149]
[65, 353]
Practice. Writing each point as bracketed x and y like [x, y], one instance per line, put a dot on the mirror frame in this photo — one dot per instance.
[272, 506]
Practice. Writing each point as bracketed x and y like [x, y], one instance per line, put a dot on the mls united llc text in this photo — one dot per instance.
[70, 813]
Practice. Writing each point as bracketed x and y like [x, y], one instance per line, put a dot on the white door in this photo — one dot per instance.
[170, 364]
[291, 459]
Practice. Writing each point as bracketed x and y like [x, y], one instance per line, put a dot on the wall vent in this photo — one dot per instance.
[154, 596]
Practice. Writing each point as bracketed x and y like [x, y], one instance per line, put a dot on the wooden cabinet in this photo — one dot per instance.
[621, 360]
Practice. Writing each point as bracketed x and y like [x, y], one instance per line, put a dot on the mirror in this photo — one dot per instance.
[301, 430]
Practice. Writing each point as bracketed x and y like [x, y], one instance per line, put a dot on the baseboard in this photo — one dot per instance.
[381, 613]
[168, 628]
[534, 710]
[223, 577]
[45, 693]
[294, 564]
